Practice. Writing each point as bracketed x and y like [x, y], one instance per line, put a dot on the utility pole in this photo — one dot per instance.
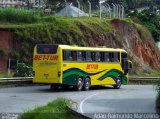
[119, 11]
[113, 10]
[109, 8]
[122, 11]
[78, 8]
[66, 7]
[100, 9]
[116, 11]
[89, 8]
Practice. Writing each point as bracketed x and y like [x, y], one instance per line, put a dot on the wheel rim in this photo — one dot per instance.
[118, 82]
[87, 83]
[80, 83]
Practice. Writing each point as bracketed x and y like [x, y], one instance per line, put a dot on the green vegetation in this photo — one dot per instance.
[145, 73]
[57, 109]
[149, 20]
[84, 31]
[23, 70]
[12, 15]
[144, 33]
[6, 75]
[143, 82]
[15, 84]
[50, 29]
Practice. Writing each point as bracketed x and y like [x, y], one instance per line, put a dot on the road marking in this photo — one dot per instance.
[81, 110]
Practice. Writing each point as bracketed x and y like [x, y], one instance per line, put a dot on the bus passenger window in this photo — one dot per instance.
[74, 55]
[106, 56]
[79, 56]
[93, 56]
[111, 57]
[88, 56]
[67, 56]
[98, 57]
[102, 56]
[116, 57]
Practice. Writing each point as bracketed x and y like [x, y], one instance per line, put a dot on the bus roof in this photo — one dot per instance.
[73, 47]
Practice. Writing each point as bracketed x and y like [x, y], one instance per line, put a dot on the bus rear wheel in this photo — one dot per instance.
[86, 85]
[79, 84]
[118, 83]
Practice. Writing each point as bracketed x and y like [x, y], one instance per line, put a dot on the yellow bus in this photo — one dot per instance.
[80, 67]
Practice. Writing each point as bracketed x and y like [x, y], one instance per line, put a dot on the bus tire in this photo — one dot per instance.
[118, 83]
[87, 83]
[64, 87]
[79, 84]
[54, 87]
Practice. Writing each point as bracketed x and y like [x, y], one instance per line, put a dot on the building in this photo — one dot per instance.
[4, 3]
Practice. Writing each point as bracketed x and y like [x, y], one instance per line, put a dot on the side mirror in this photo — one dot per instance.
[127, 64]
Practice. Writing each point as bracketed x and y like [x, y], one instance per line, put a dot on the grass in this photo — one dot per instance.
[143, 82]
[57, 109]
[150, 73]
[59, 30]
[143, 32]
[13, 15]
[15, 84]
[6, 75]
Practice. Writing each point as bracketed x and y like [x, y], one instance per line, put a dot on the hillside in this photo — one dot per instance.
[115, 33]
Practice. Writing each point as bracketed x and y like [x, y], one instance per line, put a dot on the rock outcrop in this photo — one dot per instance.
[140, 45]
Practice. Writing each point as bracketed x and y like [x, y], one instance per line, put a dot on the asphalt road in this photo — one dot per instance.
[128, 99]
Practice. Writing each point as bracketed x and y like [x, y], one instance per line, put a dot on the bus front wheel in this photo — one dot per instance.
[118, 83]
[86, 85]
[79, 84]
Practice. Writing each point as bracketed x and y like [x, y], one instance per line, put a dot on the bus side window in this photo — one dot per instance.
[88, 56]
[74, 55]
[93, 56]
[116, 57]
[67, 55]
[102, 56]
[106, 57]
[111, 57]
[84, 55]
[98, 57]
[79, 56]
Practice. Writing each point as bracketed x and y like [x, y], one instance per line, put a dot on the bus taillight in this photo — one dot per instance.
[33, 73]
[59, 74]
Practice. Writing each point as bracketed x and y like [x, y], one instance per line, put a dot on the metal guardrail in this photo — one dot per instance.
[25, 79]
[144, 78]
[16, 79]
